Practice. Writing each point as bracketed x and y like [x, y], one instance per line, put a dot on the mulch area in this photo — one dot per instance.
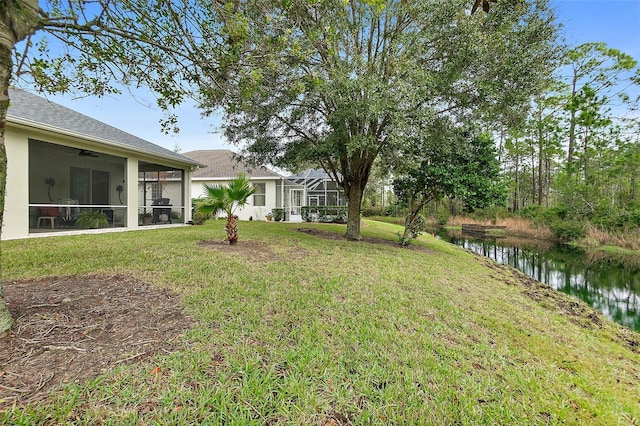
[75, 328]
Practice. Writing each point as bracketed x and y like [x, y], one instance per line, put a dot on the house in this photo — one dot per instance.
[319, 189]
[61, 163]
[222, 165]
[309, 188]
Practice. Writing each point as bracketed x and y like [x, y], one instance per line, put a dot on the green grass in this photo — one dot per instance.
[338, 330]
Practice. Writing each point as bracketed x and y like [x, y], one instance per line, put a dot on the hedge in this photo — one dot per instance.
[325, 214]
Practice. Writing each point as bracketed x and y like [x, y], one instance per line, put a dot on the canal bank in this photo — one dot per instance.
[612, 288]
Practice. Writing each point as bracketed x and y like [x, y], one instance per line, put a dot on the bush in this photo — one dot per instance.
[92, 219]
[324, 214]
[492, 213]
[200, 218]
[540, 215]
[390, 210]
[616, 220]
[568, 230]
[372, 211]
[278, 214]
[442, 215]
[532, 211]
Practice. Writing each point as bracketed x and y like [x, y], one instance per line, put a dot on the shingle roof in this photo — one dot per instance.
[222, 164]
[25, 106]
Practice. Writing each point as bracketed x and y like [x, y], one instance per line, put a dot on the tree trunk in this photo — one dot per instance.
[5, 73]
[410, 220]
[516, 195]
[586, 159]
[572, 125]
[547, 166]
[232, 229]
[540, 162]
[354, 200]
[533, 175]
[17, 21]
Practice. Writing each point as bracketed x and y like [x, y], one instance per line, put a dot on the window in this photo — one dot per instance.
[89, 186]
[260, 196]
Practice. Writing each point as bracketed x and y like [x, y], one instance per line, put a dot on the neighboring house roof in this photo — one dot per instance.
[223, 163]
[30, 109]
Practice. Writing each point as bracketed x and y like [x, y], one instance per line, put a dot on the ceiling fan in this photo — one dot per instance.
[87, 153]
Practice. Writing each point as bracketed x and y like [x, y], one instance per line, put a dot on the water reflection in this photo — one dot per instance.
[611, 289]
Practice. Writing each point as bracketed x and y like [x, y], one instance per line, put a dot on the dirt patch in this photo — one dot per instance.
[76, 328]
[321, 233]
[252, 249]
[256, 251]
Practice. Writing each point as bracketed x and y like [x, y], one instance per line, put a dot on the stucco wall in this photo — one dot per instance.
[249, 210]
[16, 211]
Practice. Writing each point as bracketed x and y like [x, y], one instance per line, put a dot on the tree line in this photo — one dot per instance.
[578, 151]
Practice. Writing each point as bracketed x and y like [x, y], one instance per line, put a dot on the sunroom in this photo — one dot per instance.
[69, 173]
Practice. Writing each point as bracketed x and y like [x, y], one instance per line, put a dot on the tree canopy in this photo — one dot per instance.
[337, 84]
[462, 166]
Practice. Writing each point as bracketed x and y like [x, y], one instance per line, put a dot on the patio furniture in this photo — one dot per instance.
[51, 219]
[69, 212]
[48, 214]
[161, 207]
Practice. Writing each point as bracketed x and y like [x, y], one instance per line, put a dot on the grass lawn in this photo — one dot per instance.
[331, 332]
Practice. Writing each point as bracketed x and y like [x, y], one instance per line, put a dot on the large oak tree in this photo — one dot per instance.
[337, 83]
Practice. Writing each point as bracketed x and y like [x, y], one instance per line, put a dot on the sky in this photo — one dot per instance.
[615, 22]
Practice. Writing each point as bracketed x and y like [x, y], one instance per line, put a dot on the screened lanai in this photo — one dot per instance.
[318, 188]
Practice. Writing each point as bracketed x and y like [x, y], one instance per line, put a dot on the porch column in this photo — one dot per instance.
[131, 174]
[282, 203]
[186, 197]
[16, 202]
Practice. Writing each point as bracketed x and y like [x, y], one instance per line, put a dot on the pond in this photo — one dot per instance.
[611, 288]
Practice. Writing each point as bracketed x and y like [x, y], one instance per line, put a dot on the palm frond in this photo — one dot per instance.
[226, 198]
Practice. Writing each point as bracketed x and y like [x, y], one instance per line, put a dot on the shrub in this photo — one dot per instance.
[372, 211]
[325, 214]
[442, 215]
[200, 218]
[568, 230]
[493, 213]
[92, 219]
[278, 214]
[557, 212]
[540, 215]
[532, 211]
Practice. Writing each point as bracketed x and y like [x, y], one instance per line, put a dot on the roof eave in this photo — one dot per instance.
[58, 130]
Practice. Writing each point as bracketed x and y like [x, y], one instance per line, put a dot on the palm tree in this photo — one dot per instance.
[227, 199]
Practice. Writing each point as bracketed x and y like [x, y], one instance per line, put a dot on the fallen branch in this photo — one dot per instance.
[130, 358]
[63, 348]
[14, 389]
[44, 305]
